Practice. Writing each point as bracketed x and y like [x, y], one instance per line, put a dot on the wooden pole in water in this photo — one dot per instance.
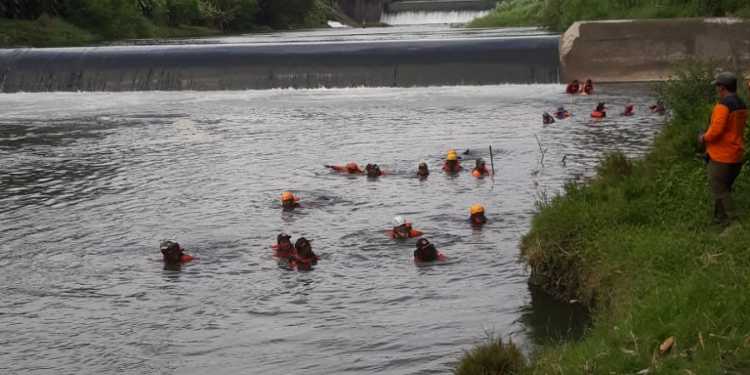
[492, 161]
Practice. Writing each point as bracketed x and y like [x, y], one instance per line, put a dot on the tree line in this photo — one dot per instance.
[136, 18]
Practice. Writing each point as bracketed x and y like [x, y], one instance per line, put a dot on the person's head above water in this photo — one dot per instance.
[422, 170]
[425, 252]
[288, 200]
[560, 109]
[373, 170]
[284, 239]
[452, 155]
[171, 251]
[477, 214]
[479, 163]
[303, 247]
[398, 221]
[601, 106]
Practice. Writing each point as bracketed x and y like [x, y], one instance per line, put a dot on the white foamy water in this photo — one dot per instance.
[424, 18]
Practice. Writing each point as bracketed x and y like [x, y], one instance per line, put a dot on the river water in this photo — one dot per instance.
[90, 182]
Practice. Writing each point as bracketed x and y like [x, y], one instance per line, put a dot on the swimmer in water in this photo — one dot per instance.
[573, 87]
[562, 113]
[477, 217]
[283, 248]
[425, 252]
[351, 168]
[289, 201]
[304, 257]
[547, 119]
[480, 169]
[173, 253]
[629, 110]
[423, 171]
[452, 165]
[658, 108]
[600, 111]
[373, 170]
[588, 87]
[403, 229]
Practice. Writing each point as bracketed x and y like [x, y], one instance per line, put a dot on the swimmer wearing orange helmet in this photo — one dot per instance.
[477, 217]
[289, 201]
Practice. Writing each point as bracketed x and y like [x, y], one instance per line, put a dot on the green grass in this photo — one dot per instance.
[55, 32]
[558, 15]
[43, 32]
[634, 245]
[493, 357]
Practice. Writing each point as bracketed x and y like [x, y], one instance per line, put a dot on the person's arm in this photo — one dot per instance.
[336, 168]
[719, 119]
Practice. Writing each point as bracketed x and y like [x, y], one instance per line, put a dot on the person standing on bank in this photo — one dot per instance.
[725, 146]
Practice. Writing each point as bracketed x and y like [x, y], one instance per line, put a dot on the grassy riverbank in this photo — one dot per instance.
[635, 245]
[558, 15]
[79, 22]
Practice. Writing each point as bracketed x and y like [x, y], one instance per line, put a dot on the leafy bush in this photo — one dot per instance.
[235, 15]
[285, 14]
[110, 18]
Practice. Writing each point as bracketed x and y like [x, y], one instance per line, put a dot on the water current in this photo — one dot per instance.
[90, 182]
[426, 18]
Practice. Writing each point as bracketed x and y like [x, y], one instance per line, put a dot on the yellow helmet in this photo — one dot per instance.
[452, 155]
[476, 209]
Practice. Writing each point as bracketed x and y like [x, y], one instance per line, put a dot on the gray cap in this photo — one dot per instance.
[725, 79]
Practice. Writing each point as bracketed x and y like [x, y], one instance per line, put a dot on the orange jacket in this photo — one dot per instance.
[724, 138]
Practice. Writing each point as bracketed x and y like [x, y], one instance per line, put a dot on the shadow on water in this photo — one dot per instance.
[549, 320]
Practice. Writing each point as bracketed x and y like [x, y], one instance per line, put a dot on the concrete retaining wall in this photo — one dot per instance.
[647, 50]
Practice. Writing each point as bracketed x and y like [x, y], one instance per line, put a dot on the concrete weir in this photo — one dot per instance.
[298, 65]
[647, 50]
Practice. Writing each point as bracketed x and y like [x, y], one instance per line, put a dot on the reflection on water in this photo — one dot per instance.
[547, 320]
[92, 181]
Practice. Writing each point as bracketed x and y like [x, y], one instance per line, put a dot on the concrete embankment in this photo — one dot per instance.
[299, 65]
[647, 50]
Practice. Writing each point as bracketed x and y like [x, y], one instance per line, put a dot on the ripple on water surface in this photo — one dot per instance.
[92, 181]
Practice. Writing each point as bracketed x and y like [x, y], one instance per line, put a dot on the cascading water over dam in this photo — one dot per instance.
[397, 57]
[421, 12]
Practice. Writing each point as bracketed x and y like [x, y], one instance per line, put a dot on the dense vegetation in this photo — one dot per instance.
[635, 245]
[60, 22]
[559, 14]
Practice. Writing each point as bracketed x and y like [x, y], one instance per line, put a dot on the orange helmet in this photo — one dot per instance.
[476, 209]
[288, 196]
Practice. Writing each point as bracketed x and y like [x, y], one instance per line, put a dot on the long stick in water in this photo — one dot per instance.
[492, 161]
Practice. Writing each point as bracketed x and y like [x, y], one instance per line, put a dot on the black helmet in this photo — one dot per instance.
[301, 242]
[168, 245]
